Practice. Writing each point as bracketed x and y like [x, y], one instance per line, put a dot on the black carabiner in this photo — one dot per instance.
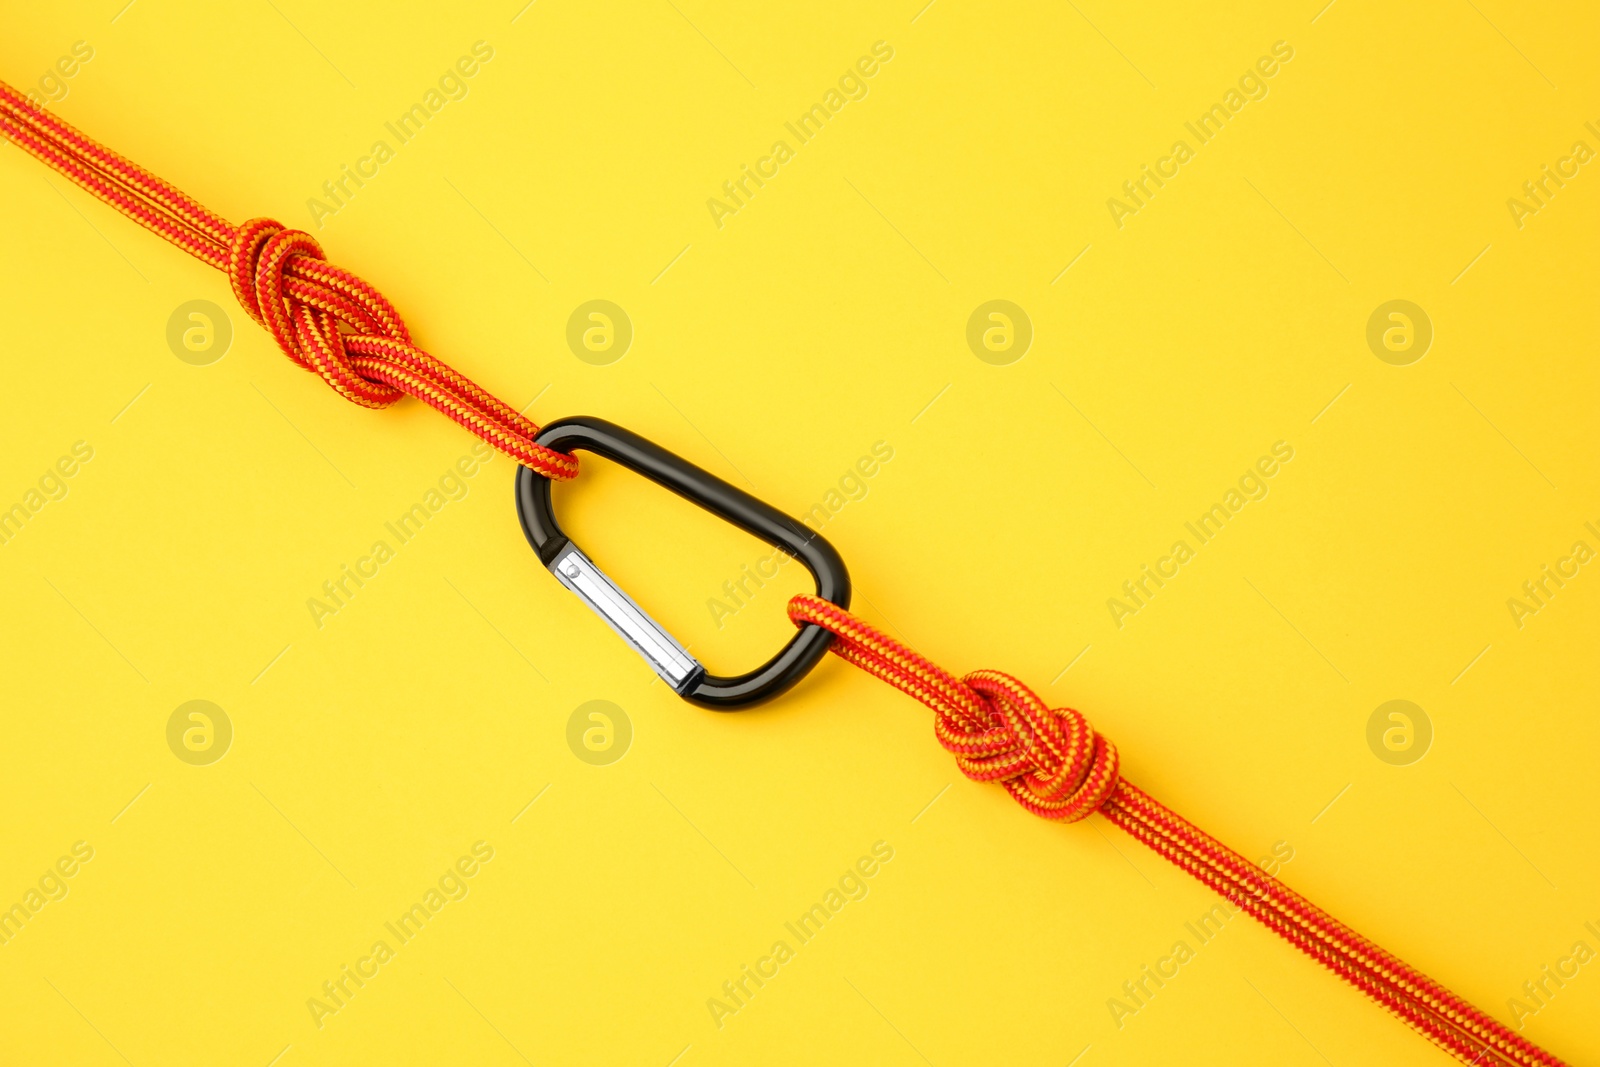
[665, 655]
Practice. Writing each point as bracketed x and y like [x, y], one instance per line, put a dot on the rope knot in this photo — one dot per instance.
[1049, 759]
[283, 280]
[331, 322]
[998, 729]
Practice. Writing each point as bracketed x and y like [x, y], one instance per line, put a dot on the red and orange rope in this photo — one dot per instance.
[1057, 767]
[332, 323]
[284, 282]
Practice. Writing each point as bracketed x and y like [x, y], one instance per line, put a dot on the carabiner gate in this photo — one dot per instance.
[666, 656]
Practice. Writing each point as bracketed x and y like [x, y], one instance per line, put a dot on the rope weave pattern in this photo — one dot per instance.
[329, 321]
[1056, 766]
[324, 318]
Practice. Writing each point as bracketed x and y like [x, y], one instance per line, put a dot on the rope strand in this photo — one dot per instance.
[323, 317]
[1057, 767]
[1051, 760]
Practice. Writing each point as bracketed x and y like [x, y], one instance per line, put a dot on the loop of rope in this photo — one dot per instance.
[332, 323]
[323, 317]
[998, 729]
[1057, 767]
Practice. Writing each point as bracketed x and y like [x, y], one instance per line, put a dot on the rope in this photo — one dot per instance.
[1057, 767]
[332, 323]
[323, 317]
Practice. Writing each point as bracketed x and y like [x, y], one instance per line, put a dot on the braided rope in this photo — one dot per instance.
[1056, 766]
[332, 323]
[1049, 759]
[323, 317]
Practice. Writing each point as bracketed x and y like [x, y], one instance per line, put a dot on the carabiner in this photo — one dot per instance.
[666, 656]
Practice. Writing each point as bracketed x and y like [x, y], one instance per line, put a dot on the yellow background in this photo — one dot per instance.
[825, 316]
